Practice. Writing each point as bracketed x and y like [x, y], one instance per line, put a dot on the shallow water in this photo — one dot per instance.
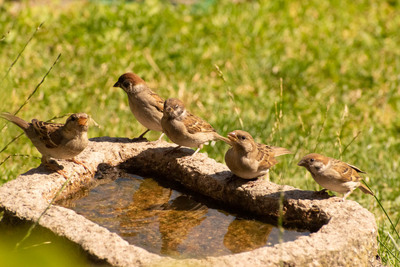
[165, 221]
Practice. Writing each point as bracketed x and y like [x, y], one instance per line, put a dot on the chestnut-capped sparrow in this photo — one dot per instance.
[186, 129]
[248, 159]
[56, 140]
[146, 106]
[333, 174]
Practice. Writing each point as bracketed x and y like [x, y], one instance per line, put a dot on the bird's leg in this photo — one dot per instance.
[197, 150]
[266, 177]
[346, 195]
[63, 173]
[80, 163]
[161, 136]
[52, 165]
[145, 132]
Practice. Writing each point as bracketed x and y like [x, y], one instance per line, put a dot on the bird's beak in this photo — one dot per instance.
[117, 84]
[232, 136]
[82, 121]
[301, 163]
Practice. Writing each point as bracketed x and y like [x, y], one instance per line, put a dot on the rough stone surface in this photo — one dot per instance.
[344, 233]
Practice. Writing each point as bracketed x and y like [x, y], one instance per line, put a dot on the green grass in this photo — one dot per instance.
[310, 76]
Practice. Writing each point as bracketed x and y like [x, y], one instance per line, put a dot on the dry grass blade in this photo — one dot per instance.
[235, 107]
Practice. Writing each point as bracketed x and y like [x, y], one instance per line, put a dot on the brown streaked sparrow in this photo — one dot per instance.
[56, 140]
[146, 106]
[186, 129]
[333, 174]
[248, 159]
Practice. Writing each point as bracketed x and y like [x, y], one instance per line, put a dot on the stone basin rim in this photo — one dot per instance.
[28, 195]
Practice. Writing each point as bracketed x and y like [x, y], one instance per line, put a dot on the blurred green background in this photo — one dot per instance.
[310, 76]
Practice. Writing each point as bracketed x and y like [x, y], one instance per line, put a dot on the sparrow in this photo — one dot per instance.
[56, 140]
[333, 174]
[146, 106]
[248, 159]
[186, 129]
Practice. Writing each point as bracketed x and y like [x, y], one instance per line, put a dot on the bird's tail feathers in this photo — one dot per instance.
[365, 189]
[224, 139]
[16, 120]
[279, 151]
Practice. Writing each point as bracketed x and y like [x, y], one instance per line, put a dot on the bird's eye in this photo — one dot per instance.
[176, 106]
[73, 118]
[125, 84]
[312, 160]
[243, 137]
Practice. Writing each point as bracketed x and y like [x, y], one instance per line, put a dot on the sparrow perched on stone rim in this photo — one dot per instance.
[248, 159]
[56, 140]
[333, 174]
[186, 129]
[146, 105]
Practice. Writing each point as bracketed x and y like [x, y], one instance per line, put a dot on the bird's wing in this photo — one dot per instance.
[195, 124]
[158, 101]
[49, 133]
[356, 169]
[346, 171]
[265, 156]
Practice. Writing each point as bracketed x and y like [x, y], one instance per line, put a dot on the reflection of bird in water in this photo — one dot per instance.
[184, 203]
[180, 216]
[151, 213]
[139, 214]
[246, 235]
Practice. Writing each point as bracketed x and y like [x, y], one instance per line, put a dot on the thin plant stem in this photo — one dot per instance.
[42, 214]
[352, 140]
[32, 93]
[38, 245]
[4, 36]
[16, 155]
[322, 128]
[278, 115]
[12, 141]
[339, 132]
[39, 84]
[393, 241]
[230, 94]
[388, 250]
[384, 211]
[22, 50]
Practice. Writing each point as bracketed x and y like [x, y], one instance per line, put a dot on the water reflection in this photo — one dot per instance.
[165, 221]
[245, 235]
